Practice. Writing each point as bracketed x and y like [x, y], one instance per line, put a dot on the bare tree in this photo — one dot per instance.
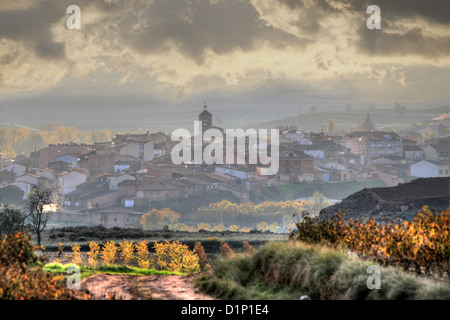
[34, 209]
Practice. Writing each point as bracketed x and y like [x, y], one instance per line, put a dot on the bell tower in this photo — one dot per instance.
[205, 118]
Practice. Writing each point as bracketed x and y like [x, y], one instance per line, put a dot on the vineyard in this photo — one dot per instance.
[421, 245]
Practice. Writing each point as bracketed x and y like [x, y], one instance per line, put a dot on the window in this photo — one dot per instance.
[205, 122]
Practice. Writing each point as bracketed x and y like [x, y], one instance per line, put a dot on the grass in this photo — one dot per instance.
[289, 270]
[87, 271]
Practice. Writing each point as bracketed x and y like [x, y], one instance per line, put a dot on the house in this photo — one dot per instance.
[143, 150]
[46, 173]
[16, 168]
[29, 178]
[295, 167]
[103, 160]
[72, 200]
[386, 160]
[233, 171]
[53, 151]
[59, 166]
[417, 137]
[101, 199]
[68, 158]
[372, 144]
[155, 191]
[425, 169]
[68, 181]
[414, 153]
[291, 133]
[437, 152]
[116, 179]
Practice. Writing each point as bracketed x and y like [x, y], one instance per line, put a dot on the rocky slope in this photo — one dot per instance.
[400, 202]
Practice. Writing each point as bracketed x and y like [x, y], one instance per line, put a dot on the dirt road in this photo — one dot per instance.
[127, 287]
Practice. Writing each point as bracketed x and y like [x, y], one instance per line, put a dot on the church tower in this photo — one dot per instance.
[206, 119]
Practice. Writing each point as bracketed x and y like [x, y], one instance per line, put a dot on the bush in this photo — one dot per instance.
[291, 270]
[17, 249]
[203, 260]
[126, 251]
[176, 257]
[423, 244]
[109, 252]
[21, 277]
[142, 254]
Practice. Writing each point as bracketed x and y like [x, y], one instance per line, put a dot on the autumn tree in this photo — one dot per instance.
[157, 219]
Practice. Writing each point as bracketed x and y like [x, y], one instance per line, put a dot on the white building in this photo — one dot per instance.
[425, 169]
[68, 181]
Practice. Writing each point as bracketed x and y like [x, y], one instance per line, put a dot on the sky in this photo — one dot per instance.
[142, 63]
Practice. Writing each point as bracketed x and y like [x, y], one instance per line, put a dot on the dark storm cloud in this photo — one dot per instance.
[389, 40]
[32, 27]
[195, 26]
[430, 10]
[413, 42]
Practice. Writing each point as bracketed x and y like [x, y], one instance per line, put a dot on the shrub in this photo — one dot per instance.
[176, 257]
[21, 278]
[109, 252]
[423, 244]
[248, 248]
[226, 250]
[290, 270]
[126, 251]
[76, 255]
[202, 259]
[142, 254]
[16, 248]
[94, 250]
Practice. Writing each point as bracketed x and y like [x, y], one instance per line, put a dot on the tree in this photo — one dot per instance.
[34, 206]
[400, 109]
[330, 126]
[368, 125]
[157, 219]
[11, 220]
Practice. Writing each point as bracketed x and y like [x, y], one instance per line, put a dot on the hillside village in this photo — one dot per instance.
[117, 181]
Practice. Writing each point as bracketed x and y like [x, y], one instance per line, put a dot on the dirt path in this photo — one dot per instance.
[126, 287]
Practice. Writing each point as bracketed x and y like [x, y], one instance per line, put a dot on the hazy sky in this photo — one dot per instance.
[267, 54]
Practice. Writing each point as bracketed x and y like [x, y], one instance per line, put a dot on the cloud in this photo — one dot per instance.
[32, 26]
[182, 48]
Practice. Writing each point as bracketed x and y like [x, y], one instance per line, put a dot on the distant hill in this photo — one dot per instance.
[402, 201]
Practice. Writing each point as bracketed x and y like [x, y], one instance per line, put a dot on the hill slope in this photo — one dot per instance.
[401, 201]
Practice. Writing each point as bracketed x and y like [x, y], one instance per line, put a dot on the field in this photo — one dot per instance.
[209, 239]
[322, 260]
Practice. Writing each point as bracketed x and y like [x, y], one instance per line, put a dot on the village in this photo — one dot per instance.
[113, 183]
